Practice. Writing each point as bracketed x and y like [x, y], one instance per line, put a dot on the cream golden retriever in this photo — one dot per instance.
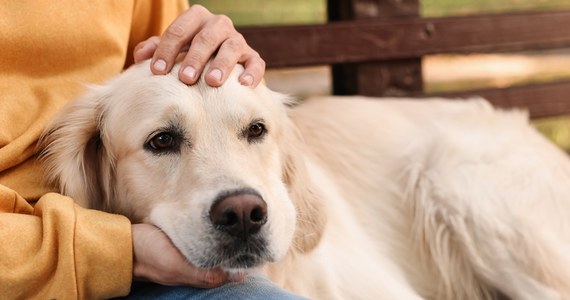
[334, 198]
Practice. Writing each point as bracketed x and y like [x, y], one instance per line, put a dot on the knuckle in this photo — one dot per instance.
[175, 30]
[204, 39]
[256, 65]
[225, 21]
[255, 55]
[198, 9]
[166, 50]
[254, 58]
[238, 37]
[234, 44]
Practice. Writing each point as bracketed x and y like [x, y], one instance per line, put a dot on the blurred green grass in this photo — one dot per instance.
[464, 7]
[263, 12]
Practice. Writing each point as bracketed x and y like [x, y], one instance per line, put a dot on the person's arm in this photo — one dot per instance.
[58, 250]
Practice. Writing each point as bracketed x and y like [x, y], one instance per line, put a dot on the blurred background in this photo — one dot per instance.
[441, 73]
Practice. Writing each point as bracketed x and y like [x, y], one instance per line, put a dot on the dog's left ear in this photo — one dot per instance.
[73, 156]
[309, 205]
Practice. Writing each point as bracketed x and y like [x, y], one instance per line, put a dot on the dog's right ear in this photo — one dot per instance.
[72, 153]
[309, 205]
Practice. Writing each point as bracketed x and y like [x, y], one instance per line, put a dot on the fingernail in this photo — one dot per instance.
[189, 72]
[247, 80]
[217, 74]
[160, 65]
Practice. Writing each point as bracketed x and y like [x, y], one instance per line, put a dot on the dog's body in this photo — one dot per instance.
[348, 198]
[452, 200]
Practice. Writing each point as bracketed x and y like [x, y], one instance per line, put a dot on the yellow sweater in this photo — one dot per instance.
[50, 248]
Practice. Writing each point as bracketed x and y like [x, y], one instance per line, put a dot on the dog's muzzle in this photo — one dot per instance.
[240, 214]
[238, 218]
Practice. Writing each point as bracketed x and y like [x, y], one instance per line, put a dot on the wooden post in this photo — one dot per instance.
[402, 77]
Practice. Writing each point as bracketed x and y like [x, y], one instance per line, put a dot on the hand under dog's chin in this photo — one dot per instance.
[237, 263]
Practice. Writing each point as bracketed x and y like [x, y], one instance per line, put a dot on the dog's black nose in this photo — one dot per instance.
[240, 215]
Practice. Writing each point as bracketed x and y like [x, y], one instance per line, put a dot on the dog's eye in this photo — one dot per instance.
[163, 141]
[255, 131]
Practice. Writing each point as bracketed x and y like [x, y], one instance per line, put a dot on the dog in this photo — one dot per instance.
[330, 198]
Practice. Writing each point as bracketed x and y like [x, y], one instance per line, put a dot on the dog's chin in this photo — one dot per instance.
[242, 264]
[236, 256]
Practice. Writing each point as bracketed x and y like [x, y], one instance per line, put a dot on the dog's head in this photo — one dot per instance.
[217, 169]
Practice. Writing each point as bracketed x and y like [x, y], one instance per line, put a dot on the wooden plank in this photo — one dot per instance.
[541, 100]
[398, 77]
[359, 41]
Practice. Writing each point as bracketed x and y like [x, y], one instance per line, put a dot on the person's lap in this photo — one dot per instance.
[253, 287]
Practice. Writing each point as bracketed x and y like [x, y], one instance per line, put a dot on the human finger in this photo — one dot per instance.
[176, 37]
[207, 41]
[145, 49]
[254, 69]
[225, 60]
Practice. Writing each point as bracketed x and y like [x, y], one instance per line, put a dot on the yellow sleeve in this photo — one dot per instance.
[152, 17]
[58, 250]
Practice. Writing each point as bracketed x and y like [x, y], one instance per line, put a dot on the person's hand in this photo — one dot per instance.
[201, 34]
[156, 259]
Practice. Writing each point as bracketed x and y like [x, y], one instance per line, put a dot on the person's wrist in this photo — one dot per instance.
[137, 272]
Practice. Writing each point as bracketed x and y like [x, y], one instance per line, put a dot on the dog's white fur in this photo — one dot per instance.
[367, 199]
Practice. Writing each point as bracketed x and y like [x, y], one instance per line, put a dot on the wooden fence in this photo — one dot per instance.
[376, 48]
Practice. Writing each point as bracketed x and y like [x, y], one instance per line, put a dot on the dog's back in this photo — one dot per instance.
[438, 199]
